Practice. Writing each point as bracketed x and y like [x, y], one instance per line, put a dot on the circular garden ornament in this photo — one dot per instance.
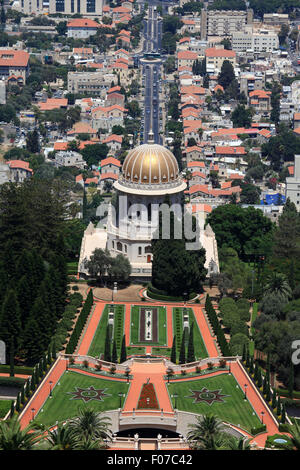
[207, 396]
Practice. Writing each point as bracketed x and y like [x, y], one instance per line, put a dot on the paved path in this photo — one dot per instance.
[257, 403]
[91, 328]
[40, 397]
[141, 371]
[170, 325]
[127, 323]
[204, 329]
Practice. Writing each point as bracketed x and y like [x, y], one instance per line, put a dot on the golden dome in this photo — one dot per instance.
[150, 164]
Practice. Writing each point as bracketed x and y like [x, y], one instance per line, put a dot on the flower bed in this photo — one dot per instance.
[148, 399]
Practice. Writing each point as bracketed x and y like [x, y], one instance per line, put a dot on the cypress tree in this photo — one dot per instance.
[11, 359]
[107, 346]
[191, 349]
[274, 400]
[259, 379]
[173, 351]
[283, 413]
[33, 348]
[18, 403]
[123, 354]
[251, 369]
[244, 353]
[265, 385]
[247, 358]
[49, 355]
[10, 324]
[114, 355]
[182, 350]
[27, 389]
[12, 408]
[23, 395]
[33, 381]
[291, 380]
[255, 371]
[278, 406]
[53, 353]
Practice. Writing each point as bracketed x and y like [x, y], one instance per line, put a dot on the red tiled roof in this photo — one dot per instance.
[291, 170]
[60, 145]
[19, 164]
[196, 164]
[53, 103]
[83, 23]
[228, 150]
[13, 58]
[214, 52]
[110, 161]
[192, 89]
[105, 176]
[113, 138]
[187, 55]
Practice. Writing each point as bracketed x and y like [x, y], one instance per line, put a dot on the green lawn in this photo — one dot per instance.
[135, 326]
[98, 342]
[161, 351]
[234, 409]
[200, 349]
[131, 350]
[61, 406]
[4, 407]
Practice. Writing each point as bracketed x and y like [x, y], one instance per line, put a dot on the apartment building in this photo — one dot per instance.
[14, 65]
[293, 184]
[91, 83]
[224, 22]
[251, 81]
[262, 41]
[215, 57]
[92, 8]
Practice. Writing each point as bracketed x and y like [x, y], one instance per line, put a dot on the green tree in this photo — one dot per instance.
[10, 321]
[191, 348]
[114, 355]
[123, 354]
[241, 116]
[182, 359]
[12, 437]
[173, 351]
[33, 141]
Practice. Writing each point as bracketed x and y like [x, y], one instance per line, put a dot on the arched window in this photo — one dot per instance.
[149, 212]
[148, 249]
[119, 246]
[140, 250]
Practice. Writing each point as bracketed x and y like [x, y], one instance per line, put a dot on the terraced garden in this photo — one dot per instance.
[231, 407]
[200, 349]
[74, 390]
[138, 323]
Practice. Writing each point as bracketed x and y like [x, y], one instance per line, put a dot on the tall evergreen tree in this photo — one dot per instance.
[10, 321]
[274, 399]
[278, 406]
[191, 348]
[291, 380]
[12, 359]
[182, 359]
[107, 346]
[123, 354]
[114, 354]
[173, 351]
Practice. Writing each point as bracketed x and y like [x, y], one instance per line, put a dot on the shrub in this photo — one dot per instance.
[113, 369]
[258, 429]
[98, 366]
[222, 363]
[183, 372]
[210, 365]
[71, 360]
[75, 288]
[85, 363]
[198, 370]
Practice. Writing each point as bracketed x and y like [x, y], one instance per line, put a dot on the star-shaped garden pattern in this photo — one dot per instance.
[88, 394]
[207, 396]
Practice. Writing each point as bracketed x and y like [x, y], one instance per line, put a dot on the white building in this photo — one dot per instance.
[293, 184]
[262, 41]
[150, 173]
[69, 158]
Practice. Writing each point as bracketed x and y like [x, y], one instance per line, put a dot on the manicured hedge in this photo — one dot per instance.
[80, 323]
[258, 429]
[162, 295]
[285, 393]
[26, 370]
[212, 316]
[66, 323]
[12, 381]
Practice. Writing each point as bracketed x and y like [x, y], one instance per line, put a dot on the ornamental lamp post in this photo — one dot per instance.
[50, 384]
[32, 411]
[245, 397]
[175, 396]
[262, 417]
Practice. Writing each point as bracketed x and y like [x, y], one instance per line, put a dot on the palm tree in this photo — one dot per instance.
[277, 284]
[89, 424]
[237, 444]
[12, 437]
[294, 430]
[206, 433]
[61, 438]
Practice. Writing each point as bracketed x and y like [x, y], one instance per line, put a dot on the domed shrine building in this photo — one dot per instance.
[150, 176]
